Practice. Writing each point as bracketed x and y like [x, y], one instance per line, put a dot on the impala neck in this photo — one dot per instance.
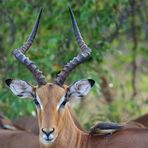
[71, 134]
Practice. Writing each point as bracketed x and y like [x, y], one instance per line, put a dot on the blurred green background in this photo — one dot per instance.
[116, 30]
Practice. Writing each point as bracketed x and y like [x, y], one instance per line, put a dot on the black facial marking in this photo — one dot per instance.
[8, 82]
[63, 103]
[92, 82]
[36, 102]
[81, 96]
[68, 95]
[33, 95]
[20, 95]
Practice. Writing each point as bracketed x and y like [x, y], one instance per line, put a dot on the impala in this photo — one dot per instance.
[15, 136]
[58, 127]
[142, 120]
[28, 123]
[18, 139]
[8, 124]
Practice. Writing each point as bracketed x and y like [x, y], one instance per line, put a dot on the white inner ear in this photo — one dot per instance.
[79, 89]
[21, 88]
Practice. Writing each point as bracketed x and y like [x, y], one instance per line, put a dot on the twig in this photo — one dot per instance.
[134, 49]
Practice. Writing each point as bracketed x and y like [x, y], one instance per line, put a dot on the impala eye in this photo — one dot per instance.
[36, 103]
[63, 103]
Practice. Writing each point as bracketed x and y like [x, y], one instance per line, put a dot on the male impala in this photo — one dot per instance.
[58, 127]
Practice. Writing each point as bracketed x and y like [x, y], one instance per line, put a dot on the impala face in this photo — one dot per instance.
[51, 102]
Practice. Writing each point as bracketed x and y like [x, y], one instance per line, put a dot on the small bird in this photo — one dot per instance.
[105, 128]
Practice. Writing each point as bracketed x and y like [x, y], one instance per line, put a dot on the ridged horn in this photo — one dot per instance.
[80, 58]
[20, 54]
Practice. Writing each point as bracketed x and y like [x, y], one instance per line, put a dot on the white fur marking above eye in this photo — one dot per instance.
[39, 101]
[60, 102]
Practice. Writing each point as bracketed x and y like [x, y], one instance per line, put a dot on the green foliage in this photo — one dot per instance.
[106, 28]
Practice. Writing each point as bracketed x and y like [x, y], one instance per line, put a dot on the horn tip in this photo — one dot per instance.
[41, 9]
[71, 11]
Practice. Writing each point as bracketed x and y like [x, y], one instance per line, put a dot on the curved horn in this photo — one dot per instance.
[20, 54]
[80, 58]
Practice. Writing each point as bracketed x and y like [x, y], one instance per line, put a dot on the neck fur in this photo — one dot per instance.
[71, 132]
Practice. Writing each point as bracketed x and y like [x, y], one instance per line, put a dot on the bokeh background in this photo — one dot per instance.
[117, 32]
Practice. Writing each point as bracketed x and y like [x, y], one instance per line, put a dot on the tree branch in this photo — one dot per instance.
[134, 49]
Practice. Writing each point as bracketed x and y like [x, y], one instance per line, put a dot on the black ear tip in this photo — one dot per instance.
[92, 82]
[8, 81]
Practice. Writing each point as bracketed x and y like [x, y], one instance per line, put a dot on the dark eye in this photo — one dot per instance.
[63, 103]
[36, 103]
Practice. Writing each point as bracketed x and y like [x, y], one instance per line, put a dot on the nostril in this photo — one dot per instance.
[43, 130]
[48, 132]
[52, 130]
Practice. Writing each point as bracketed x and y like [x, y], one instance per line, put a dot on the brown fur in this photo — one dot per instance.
[69, 135]
[5, 123]
[18, 139]
[29, 123]
[143, 120]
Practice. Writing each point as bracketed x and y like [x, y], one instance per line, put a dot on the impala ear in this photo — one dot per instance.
[80, 88]
[20, 88]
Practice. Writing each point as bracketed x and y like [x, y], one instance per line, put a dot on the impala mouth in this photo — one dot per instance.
[47, 140]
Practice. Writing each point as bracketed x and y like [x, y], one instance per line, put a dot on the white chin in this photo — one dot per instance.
[46, 142]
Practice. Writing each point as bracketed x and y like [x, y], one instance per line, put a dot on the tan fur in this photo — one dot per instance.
[5, 123]
[28, 123]
[69, 132]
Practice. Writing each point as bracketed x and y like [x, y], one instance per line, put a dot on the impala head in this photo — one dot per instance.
[51, 99]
